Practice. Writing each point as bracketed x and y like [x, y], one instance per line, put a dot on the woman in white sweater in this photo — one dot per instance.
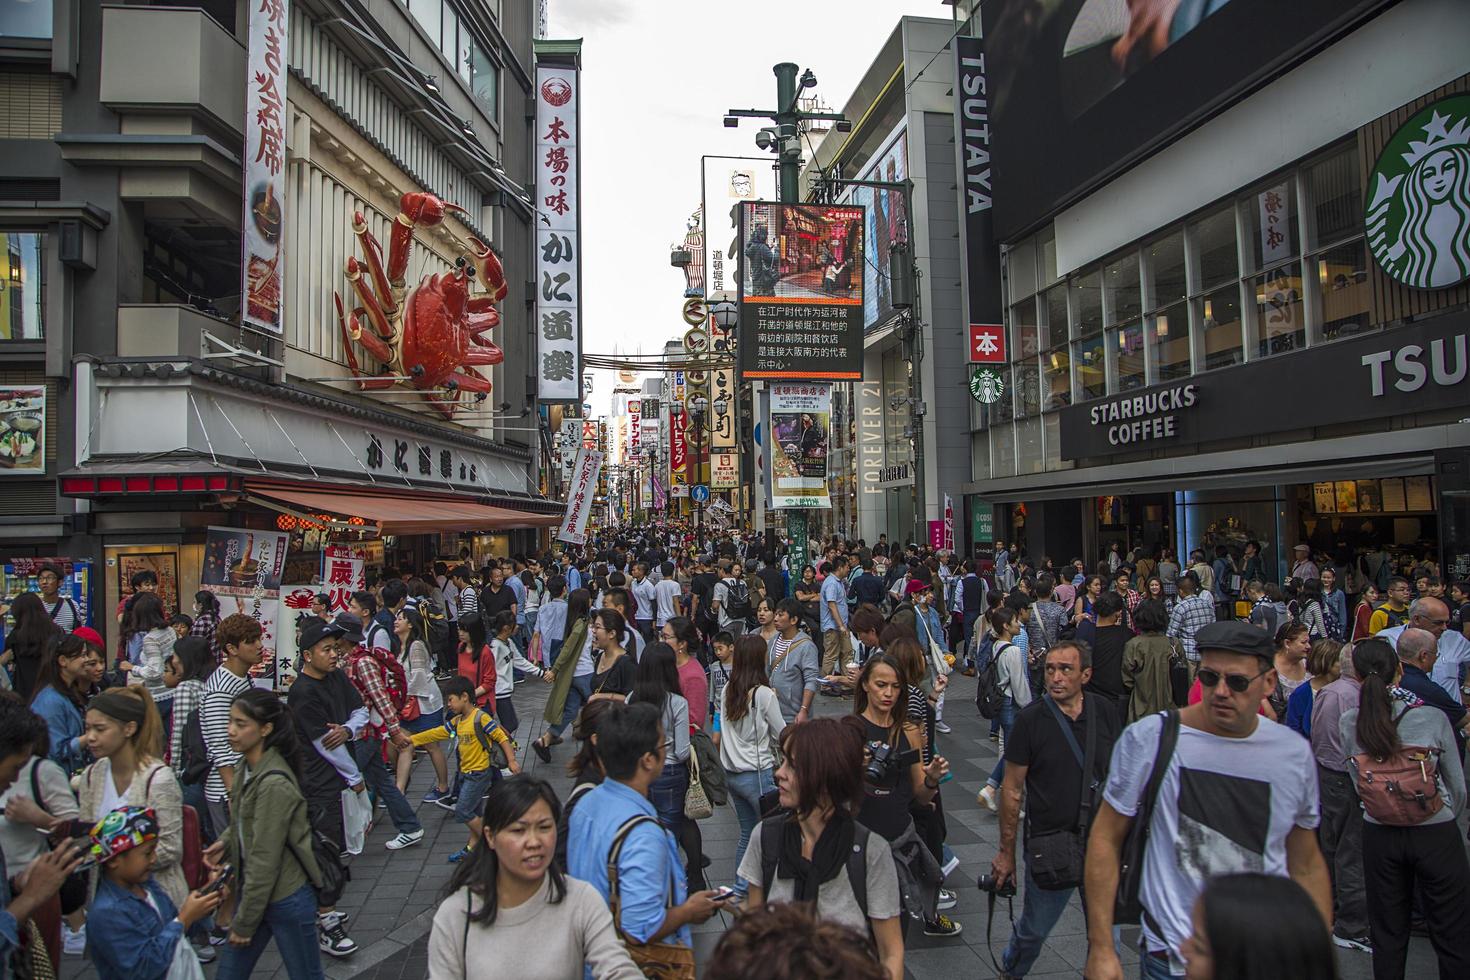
[750, 720]
[510, 903]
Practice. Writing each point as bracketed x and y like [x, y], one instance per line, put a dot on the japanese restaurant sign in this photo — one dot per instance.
[724, 471]
[344, 571]
[558, 235]
[801, 292]
[722, 424]
[262, 268]
[579, 497]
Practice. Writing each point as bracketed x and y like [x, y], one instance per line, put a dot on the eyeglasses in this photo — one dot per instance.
[1239, 683]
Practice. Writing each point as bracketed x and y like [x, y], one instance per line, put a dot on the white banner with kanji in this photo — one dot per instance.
[344, 571]
[558, 236]
[262, 266]
[579, 497]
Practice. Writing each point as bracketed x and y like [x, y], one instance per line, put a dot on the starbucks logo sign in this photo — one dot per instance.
[1418, 216]
[987, 386]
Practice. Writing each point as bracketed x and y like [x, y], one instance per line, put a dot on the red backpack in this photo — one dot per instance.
[390, 672]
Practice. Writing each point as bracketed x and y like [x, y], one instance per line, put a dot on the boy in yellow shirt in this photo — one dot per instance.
[483, 747]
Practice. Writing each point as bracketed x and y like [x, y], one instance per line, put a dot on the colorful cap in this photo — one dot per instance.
[122, 830]
[89, 636]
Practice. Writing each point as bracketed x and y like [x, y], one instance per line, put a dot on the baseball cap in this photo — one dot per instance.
[350, 626]
[90, 637]
[315, 630]
[1236, 637]
[915, 585]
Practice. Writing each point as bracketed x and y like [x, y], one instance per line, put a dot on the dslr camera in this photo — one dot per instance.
[986, 883]
[881, 760]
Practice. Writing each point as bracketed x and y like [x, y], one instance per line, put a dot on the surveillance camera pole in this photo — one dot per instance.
[788, 118]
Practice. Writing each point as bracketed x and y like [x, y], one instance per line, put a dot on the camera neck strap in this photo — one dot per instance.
[1087, 760]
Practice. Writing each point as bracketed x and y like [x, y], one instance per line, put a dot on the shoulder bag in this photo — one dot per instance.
[1128, 905]
[1402, 790]
[938, 662]
[656, 960]
[1056, 859]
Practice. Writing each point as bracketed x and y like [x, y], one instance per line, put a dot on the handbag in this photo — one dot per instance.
[1179, 679]
[938, 662]
[696, 801]
[656, 960]
[1128, 905]
[1056, 859]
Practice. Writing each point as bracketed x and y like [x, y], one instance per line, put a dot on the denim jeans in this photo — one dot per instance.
[292, 921]
[1007, 719]
[380, 782]
[1040, 910]
[746, 790]
[667, 795]
[1153, 968]
[577, 695]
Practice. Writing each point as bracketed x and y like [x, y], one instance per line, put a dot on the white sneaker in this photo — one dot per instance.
[986, 798]
[73, 943]
[947, 899]
[404, 840]
[942, 728]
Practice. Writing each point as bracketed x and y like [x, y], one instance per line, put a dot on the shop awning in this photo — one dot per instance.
[403, 514]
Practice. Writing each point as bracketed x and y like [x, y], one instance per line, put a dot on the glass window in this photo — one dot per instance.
[22, 286]
[1169, 333]
[1021, 268]
[997, 412]
[1092, 369]
[1030, 458]
[30, 18]
[1166, 270]
[1219, 316]
[485, 80]
[1337, 198]
[1121, 297]
[1054, 331]
[1025, 334]
[1278, 299]
[462, 55]
[1056, 379]
[1274, 227]
[1126, 343]
[449, 35]
[1214, 244]
[427, 12]
[1087, 303]
[1003, 451]
[1028, 389]
[1046, 256]
[1342, 278]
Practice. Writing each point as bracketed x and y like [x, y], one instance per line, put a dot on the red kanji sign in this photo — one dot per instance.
[987, 343]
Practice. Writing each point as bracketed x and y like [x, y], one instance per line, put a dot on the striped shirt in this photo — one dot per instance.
[469, 606]
[214, 718]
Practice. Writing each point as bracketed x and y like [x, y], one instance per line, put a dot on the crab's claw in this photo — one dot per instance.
[488, 269]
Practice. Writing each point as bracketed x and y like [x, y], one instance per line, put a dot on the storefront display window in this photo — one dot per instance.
[1126, 345]
[1218, 313]
[1169, 335]
[1279, 315]
[1342, 281]
[1092, 375]
[1056, 379]
[22, 285]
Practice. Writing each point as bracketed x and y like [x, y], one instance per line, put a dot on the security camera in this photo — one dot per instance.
[763, 139]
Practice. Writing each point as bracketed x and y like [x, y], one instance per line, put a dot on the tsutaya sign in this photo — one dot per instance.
[1419, 367]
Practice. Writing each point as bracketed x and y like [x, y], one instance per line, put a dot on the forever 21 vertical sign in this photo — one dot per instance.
[972, 143]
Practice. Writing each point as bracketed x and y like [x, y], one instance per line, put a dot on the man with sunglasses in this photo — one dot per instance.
[1239, 793]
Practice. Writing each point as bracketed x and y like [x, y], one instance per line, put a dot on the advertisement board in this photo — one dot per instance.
[724, 471]
[23, 430]
[800, 417]
[558, 234]
[1084, 88]
[727, 183]
[243, 568]
[801, 292]
[262, 265]
[981, 265]
[885, 223]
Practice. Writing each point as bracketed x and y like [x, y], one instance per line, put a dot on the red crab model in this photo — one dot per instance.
[430, 334]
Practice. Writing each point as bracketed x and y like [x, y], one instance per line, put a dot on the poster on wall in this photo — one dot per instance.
[558, 234]
[23, 430]
[886, 222]
[1417, 494]
[244, 568]
[1324, 499]
[1392, 489]
[164, 564]
[262, 265]
[800, 416]
[801, 292]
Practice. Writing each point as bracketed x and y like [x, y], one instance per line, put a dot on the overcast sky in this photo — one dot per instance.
[657, 77]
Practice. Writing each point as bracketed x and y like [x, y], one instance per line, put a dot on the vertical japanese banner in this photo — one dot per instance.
[948, 544]
[262, 267]
[678, 457]
[722, 424]
[558, 236]
[579, 497]
[635, 428]
[344, 571]
[243, 568]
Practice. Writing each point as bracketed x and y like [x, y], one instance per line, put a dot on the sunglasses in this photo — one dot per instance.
[1238, 683]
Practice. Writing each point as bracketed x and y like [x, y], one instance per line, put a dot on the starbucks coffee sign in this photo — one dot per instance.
[1418, 215]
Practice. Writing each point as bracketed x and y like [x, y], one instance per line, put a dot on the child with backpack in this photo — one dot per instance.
[483, 749]
[137, 933]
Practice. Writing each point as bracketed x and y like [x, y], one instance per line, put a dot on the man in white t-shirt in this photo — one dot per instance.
[666, 595]
[1239, 794]
[645, 594]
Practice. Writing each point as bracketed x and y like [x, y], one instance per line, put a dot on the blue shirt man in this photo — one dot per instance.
[519, 588]
[651, 881]
[834, 594]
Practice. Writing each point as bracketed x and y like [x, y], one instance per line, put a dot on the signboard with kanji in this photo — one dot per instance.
[801, 292]
[558, 235]
[987, 343]
[262, 268]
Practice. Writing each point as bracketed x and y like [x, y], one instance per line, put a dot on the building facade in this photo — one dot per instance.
[1217, 327]
[166, 410]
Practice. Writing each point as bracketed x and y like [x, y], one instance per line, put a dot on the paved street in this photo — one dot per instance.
[392, 897]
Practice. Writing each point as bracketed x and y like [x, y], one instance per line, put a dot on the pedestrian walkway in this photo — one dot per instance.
[392, 896]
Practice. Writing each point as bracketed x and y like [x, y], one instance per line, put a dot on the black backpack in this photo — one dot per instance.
[193, 764]
[437, 634]
[989, 695]
[737, 601]
[857, 858]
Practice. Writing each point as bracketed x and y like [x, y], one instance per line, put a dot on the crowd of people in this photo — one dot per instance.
[1190, 748]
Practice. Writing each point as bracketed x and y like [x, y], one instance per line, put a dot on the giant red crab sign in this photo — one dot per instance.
[429, 335]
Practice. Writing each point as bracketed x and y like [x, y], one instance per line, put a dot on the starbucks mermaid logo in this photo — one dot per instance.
[1418, 217]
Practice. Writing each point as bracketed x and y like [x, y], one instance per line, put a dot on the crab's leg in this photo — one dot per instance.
[414, 208]
[480, 315]
[353, 332]
[375, 313]
[470, 381]
[373, 253]
[487, 354]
